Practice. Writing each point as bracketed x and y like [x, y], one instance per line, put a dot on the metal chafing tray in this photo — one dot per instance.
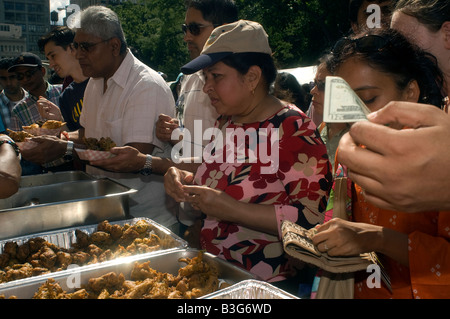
[54, 206]
[163, 262]
[65, 238]
[251, 289]
[54, 178]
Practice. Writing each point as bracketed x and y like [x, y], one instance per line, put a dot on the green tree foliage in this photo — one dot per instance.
[299, 30]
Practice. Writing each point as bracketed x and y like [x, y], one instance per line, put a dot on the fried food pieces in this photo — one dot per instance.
[49, 124]
[196, 279]
[38, 256]
[19, 136]
[104, 144]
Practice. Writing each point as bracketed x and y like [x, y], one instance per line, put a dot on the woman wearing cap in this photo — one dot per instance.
[245, 201]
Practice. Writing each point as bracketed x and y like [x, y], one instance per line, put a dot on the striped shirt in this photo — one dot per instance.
[26, 112]
[6, 105]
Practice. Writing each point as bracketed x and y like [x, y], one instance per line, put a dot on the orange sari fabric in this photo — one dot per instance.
[428, 275]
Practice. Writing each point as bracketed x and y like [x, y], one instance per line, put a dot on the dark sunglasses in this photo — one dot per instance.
[28, 74]
[365, 44]
[86, 47]
[195, 28]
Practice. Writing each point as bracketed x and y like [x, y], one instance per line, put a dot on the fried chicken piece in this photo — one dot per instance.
[36, 244]
[23, 251]
[128, 236]
[11, 249]
[83, 239]
[116, 232]
[141, 226]
[64, 259]
[93, 249]
[105, 255]
[47, 257]
[109, 281]
[19, 136]
[49, 290]
[4, 260]
[52, 124]
[104, 226]
[142, 271]
[101, 238]
[80, 258]
[79, 294]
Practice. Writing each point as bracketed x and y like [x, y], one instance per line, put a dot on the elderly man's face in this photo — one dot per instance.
[96, 55]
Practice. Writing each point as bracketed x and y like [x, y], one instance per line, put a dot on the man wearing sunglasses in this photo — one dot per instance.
[202, 17]
[11, 94]
[30, 73]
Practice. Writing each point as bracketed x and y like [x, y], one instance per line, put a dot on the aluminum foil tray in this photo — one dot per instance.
[60, 205]
[65, 238]
[163, 262]
[251, 289]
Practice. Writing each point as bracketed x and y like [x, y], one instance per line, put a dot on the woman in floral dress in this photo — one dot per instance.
[266, 161]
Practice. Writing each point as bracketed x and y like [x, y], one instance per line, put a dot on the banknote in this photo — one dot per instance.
[342, 104]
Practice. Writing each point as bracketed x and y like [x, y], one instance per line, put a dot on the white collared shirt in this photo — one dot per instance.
[127, 113]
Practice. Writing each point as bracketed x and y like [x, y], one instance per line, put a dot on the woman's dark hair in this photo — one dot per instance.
[287, 88]
[432, 13]
[243, 61]
[393, 54]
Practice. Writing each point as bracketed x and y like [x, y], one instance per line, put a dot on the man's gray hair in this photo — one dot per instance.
[104, 23]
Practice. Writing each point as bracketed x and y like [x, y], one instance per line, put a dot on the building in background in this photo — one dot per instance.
[22, 23]
[83, 4]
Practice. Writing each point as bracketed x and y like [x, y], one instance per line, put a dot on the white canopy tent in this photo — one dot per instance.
[304, 75]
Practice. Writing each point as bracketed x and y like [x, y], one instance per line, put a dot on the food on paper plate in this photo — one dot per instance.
[49, 127]
[103, 144]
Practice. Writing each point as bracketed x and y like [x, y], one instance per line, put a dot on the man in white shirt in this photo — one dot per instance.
[122, 101]
[202, 17]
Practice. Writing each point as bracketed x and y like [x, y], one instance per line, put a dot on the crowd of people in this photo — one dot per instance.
[229, 193]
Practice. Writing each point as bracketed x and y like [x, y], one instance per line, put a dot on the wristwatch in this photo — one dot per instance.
[68, 156]
[13, 144]
[147, 169]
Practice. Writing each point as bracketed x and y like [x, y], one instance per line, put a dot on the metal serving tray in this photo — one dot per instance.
[251, 289]
[65, 238]
[61, 205]
[54, 178]
[163, 262]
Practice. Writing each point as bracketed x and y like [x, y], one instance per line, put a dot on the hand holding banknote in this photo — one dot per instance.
[342, 104]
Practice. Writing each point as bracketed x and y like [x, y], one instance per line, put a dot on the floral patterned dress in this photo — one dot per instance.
[294, 176]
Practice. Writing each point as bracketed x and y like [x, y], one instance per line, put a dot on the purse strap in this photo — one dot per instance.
[340, 198]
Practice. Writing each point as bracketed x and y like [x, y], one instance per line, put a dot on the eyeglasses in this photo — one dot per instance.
[319, 84]
[28, 74]
[195, 28]
[86, 47]
[365, 44]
